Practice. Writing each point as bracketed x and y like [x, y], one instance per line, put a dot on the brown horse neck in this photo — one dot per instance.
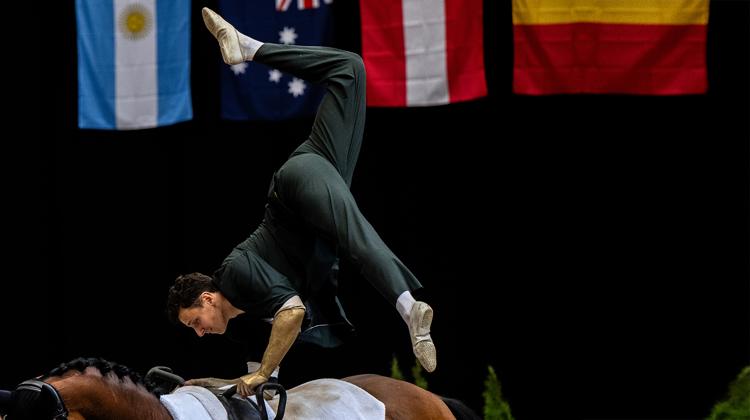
[402, 400]
[92, 397]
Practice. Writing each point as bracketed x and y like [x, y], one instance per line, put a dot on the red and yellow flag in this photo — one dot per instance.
[649, 47]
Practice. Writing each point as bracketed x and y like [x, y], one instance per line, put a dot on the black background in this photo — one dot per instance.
[592, 249]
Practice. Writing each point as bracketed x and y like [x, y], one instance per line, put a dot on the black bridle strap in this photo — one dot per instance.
[34, 385]
[5, 400]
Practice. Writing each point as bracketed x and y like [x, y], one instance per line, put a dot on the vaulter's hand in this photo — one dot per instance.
[210, 382]
[248, 383]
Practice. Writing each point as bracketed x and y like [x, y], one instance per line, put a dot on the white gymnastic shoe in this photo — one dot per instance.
[226, 34]
[420, 319]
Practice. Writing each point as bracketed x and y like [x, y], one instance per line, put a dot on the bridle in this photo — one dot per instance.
[24, 394]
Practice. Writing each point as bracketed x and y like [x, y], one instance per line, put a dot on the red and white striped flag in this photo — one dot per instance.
[283, 5]
[422, 52]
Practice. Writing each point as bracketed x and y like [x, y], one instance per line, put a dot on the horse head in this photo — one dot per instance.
[34, 399]
[85, 388]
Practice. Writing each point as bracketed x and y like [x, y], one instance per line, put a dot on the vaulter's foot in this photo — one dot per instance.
[420, 319]
[226, 34]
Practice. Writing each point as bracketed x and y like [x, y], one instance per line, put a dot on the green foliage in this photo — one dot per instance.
[737, 405]
[416, 373]
[495, 408]
[395, 371]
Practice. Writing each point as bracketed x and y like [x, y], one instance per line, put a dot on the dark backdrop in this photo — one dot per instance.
[592, 249]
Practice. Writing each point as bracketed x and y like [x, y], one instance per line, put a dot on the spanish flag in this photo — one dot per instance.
[644, 47]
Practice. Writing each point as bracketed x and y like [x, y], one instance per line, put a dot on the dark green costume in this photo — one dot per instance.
[311, 215]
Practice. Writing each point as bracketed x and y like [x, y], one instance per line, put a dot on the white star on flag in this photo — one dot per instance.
[238, 68]
[274, 76]
[287, 35]
[297, 87]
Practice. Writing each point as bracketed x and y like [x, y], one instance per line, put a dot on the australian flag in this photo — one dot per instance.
[253, 91]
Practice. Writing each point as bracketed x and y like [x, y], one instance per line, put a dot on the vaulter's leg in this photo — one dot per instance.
[324, 201]
[339, 124]
[318, 189]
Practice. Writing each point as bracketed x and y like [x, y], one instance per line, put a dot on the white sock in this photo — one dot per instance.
[249, 46]
[403, 305]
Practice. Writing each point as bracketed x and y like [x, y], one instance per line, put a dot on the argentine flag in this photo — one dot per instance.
[133, 63]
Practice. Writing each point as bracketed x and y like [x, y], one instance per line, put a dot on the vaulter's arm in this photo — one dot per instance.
[284, 331]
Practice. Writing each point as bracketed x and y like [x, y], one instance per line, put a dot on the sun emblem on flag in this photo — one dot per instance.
[136, 21]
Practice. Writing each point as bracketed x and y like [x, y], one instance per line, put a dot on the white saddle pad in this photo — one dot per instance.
[198, 403]
[330, 399]
[321, 399]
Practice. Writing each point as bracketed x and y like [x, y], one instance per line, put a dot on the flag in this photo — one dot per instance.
[651, 47]
[422, 52]
[253, 91]
[133, 63]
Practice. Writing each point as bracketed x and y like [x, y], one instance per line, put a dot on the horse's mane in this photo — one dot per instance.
[104, 367]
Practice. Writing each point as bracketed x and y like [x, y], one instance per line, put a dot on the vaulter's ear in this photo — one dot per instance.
[207, 298]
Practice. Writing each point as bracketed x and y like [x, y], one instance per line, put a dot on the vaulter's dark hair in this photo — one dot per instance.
[185, 292]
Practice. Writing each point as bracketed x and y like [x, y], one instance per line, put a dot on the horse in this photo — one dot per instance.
[96, 389]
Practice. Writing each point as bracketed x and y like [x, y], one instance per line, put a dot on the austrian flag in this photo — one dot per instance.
[422, 52]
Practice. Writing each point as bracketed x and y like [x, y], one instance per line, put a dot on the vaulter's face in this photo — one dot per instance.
[204, 319]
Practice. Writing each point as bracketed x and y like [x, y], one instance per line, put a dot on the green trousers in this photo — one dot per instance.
[310, 193]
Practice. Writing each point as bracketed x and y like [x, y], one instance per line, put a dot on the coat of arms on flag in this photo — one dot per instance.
[253, 91]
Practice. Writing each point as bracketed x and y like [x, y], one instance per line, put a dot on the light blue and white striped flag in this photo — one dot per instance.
[133, 63]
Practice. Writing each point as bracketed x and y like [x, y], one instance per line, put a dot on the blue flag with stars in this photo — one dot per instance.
[253, 91]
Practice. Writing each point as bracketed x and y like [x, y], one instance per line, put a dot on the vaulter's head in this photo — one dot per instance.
[194, 301]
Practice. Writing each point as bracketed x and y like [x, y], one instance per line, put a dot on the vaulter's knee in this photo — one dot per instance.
[358, 65]
[354, 64]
